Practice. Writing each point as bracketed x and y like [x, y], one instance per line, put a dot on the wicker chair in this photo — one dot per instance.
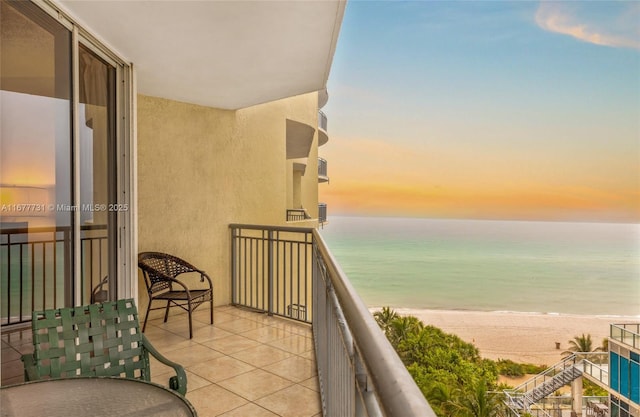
[95, 340]
[100, 293]
[160, 271]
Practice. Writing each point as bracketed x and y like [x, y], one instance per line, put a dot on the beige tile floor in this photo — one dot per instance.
[247, 364]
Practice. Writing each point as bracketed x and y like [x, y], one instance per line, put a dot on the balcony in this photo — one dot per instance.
[301, 215]
[322, 170]
[289, 272]
[629, 334]
[323, 136]
[295, 340]
[322, 213]
[297, 215]
[248, 362]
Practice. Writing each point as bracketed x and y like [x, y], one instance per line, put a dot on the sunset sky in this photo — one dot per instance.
[486, 109]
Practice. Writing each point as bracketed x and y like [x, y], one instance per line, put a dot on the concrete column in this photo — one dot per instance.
[576, 395]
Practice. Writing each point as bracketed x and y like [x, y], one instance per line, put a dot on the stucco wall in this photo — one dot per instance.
[201, 169]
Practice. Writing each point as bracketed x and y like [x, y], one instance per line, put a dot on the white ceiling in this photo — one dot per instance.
[225, 54]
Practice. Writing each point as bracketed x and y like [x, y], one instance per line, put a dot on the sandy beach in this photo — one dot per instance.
[521, 337]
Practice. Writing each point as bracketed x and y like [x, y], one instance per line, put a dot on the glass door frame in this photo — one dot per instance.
[123, 253]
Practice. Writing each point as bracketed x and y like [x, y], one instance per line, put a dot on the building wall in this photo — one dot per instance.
[624, 379]
[201, 169]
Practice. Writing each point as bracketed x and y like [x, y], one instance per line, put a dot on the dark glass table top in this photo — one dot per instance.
[96, 397]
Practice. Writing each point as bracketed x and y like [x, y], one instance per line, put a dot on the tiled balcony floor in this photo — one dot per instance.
[247, 364]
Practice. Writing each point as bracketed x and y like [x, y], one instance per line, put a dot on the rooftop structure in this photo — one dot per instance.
[617, 371]
[624, 370]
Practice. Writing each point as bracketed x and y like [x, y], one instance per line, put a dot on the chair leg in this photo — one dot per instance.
[146, 316]
[211, 304]
[166, 313]
[190, 325]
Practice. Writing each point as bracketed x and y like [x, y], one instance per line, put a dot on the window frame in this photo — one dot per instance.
[124, 265]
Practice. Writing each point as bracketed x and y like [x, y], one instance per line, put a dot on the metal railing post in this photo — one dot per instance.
[66, 244]
[9, 278]
[270, 243]
[234, 257]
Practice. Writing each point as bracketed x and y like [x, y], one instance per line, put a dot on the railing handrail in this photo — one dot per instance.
[623, 326]
[592, 365]
[575, 358]
[272, 228]
[395, 388]
[30, 230]
[625, 334]
[547, 373]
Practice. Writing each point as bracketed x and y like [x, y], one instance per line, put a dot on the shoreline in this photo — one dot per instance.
[520, 336]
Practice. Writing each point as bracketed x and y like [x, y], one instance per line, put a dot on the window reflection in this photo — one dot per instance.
[97, 186]
[35, 161]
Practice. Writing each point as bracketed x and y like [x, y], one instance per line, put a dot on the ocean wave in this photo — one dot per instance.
[413, 311]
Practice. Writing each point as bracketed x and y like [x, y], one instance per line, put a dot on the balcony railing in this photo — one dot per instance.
[290, 272]
[597, 371]
[322, 213]
[36, 263]
[629, 334]
[322, 170]
[295, 215]
[322, 120]
[323, 136]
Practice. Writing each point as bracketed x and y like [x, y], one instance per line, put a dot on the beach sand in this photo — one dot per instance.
[521, 337]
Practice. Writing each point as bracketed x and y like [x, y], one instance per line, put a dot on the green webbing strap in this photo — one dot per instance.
[94, 340]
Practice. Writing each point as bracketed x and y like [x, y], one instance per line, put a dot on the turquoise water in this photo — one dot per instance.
[543, 267]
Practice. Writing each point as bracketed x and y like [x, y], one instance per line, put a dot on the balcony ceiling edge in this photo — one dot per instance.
[299, 139]
[227, 55]
[323, 137]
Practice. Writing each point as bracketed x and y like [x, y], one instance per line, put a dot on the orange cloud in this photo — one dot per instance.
[451, 179]
[555, 17]
[500, 202]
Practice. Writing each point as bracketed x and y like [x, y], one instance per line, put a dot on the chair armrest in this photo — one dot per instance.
[204, 275]
[178, 382]
[30, 369]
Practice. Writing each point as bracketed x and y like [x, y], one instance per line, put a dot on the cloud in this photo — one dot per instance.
[620, 32]
[534, 202]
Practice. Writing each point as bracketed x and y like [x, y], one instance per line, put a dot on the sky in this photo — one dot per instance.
[486, 109]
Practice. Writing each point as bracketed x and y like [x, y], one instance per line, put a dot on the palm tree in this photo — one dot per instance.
[477, 401]
[579, 344]
[402, 327]
[384, 318]
[605, 345]
[441, 398]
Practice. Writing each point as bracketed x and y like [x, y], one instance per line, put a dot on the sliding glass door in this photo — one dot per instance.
[59, 193]
[35, 162]
[97, 179]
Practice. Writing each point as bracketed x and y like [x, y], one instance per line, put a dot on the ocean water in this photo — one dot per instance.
[482, 265]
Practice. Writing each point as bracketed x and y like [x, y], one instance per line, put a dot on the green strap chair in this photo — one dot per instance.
[95, 340]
